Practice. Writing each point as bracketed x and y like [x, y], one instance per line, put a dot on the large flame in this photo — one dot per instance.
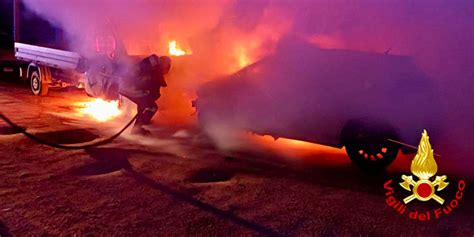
[175, 50]
[100, 109]
[424, 165]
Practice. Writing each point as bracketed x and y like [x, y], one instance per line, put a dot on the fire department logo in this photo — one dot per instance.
[424, 167]
[424, 187]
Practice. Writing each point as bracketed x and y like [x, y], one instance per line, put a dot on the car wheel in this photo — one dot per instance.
[367, 144]
[38, 86]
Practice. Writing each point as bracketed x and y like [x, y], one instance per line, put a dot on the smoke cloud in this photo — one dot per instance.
[226, 35]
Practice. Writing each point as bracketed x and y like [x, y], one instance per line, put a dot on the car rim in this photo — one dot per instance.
[372, 148]
[372, 154]
[35, 83]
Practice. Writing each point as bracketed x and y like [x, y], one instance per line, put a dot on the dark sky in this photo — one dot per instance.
[6, 23]
[34, 30]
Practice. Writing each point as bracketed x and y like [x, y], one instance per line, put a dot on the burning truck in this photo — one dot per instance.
[50, 61]
[366, 102]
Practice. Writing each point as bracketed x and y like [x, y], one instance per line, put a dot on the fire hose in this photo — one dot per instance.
[61, 146]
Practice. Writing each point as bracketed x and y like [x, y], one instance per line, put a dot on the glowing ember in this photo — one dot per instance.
[175, 50]
[298, 149]
[289, 143]
[100, 109]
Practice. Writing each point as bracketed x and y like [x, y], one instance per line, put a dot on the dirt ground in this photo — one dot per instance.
[176, 183]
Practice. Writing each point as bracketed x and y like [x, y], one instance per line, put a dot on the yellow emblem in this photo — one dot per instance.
[424, 167]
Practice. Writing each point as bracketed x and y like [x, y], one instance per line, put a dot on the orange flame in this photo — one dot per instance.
[175, 50]
[100, 109]
[243, 57]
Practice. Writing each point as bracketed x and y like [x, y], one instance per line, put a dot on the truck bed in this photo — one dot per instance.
[50, 57]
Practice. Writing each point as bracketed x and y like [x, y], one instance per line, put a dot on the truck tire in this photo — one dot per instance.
[367, 144]
[39, 79]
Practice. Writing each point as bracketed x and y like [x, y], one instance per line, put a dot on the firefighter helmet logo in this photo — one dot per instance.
[424, 167]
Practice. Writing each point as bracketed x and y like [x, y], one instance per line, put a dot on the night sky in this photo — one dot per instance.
[6, 23]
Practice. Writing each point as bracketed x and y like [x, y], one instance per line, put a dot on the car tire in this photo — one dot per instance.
[38, 84]
[367, 144]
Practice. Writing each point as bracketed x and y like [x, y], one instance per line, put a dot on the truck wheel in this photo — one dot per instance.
[367, 145]
[38, 83]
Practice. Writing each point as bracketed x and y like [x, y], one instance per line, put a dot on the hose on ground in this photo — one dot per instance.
[62, 146]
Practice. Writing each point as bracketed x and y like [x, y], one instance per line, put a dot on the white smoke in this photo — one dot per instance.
[438, 34]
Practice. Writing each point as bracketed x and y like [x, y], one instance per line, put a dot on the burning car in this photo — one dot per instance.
[366, 102]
